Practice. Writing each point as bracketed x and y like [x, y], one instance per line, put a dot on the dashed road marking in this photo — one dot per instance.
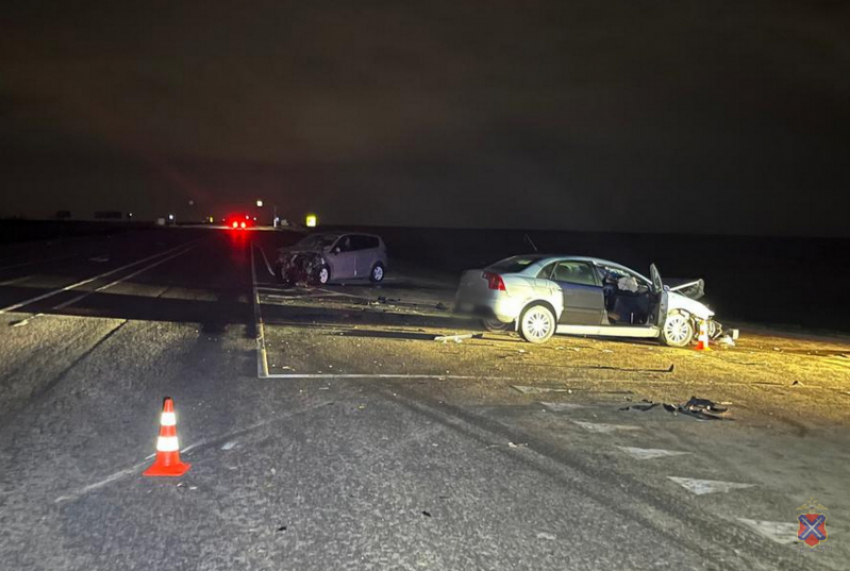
[649, 453]
[702, 487]
[602, 428]
[562, 406]
[779, 531]
[534, 390]
[26, 302]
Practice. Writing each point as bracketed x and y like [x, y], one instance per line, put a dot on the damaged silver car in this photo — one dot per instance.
[540, 295]
[322, 258]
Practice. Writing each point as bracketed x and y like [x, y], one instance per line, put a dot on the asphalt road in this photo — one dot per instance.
[328, 430]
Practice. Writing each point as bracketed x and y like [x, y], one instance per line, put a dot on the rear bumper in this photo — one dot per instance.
[503, 309]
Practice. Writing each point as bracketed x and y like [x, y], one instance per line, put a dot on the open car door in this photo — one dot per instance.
[659, 294]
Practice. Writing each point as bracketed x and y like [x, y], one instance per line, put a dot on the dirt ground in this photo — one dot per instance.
[391, 330]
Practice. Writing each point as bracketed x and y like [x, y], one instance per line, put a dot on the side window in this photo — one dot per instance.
[574, 273]
[361, 242]
[344, 244]
[546, 272]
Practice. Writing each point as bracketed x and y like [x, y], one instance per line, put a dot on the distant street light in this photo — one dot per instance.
[311, 221]
[259, 204]
[171, 217]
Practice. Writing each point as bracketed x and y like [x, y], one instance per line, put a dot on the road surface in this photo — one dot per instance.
[328, 430]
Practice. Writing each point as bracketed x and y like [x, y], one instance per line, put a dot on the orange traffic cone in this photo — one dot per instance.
[167, 461]
[702, 341]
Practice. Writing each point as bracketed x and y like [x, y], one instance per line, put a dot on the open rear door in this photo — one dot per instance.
[659, 295]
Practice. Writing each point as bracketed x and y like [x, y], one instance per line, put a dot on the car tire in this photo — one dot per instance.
[537, 323]
[496, 326]
[321, 275]
[377, 273]
[678, 330]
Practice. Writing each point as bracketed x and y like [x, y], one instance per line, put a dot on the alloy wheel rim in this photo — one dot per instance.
[676, 329]
[378, 273]
[537, 324]
[323, 275]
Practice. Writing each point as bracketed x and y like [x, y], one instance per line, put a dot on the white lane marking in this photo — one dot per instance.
[649, 453]
[15, 280]
[701, 487]
[383, 376]
[562, 406]
[602, 428]
[266, 260]
[534, 390]
[779, 531]
[70, 302]
[21, 304]
[262, 357]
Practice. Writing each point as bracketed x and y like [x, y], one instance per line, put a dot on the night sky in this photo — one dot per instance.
[630, 115]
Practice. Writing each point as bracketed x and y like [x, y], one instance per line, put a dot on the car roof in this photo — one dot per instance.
[597, 261]
[546, 259]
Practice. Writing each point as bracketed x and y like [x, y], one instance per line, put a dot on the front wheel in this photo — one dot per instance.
[377, 273]
[322, 275]
[283, 276]
[537, 323]
[678, 330]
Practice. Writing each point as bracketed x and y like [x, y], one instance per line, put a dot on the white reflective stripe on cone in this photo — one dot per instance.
[168, 419]
[167, 444]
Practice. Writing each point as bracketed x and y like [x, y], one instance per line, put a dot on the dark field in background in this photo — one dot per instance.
[794, 282]
[15, 231]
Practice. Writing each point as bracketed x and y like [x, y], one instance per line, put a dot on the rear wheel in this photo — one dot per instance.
[377, 273]
[678, 330]
[537, 323]
[496, 326]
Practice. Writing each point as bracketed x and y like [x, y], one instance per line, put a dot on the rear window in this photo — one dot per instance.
[514, 264]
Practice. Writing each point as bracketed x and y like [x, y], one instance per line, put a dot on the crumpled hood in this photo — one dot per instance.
[679, 301]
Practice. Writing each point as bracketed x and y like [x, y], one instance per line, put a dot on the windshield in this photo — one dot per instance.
[515, 264]
[317, 241]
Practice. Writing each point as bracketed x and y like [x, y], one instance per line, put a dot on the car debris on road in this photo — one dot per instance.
[697, 408]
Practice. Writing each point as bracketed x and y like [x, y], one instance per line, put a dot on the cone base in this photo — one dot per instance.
[701, 347]
[158, 469]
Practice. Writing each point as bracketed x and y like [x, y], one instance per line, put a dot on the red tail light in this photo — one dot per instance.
[494, 281]
[235, 224]
[242, 225]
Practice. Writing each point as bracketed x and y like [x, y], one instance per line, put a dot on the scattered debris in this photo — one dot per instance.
[514, 445]
[440, 306]
[282, 528]
[426, 513]
[458, 338]
[796, 384]
[544, 535]
[726, 342]
[700, 409]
